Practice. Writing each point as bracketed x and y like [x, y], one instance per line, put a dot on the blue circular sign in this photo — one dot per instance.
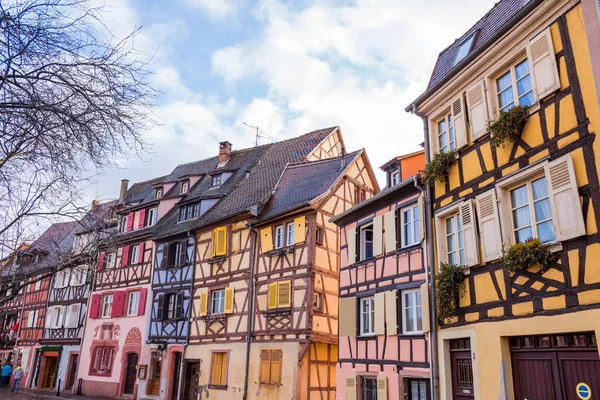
[583, 391]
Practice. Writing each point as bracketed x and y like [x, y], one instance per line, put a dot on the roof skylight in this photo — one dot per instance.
[465, 48]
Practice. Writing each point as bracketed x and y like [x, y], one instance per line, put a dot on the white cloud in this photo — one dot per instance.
[266, 115]
[215, 9]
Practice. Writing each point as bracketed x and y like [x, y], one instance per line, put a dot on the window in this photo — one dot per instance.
[279, 237]
[158, 193]
[270, 367]
[455, 245]
[531, 213]
[446, 139]
[189, 211]
[319, 235]
[111, 260]
[107, 301]
[177, 254]
[290, 234]
[217, 302]
[106, 333]
[78, 276]
[32, 318]
[55, 317]
[171, 303]
[133, 303]
[215, 180]
[134, 254]
[103, 360]
[185, 186]
[61, 279]
[464, 48]
[360, 195]
[412, 317]
[123, 222]
[152, 216]
[366, 242]
[218, 370]
[514, 87]
[410, 225]
[394, 178]
[318, 302]
[367, 316]
[280, 294]
[38, 284]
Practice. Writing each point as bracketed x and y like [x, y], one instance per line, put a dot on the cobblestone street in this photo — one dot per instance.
[28, 394]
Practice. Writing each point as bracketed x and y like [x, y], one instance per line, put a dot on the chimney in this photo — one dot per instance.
[343, 164]
[124, 187]
[94, 204]
[224, 152]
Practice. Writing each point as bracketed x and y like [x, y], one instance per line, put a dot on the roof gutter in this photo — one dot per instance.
[458, 67]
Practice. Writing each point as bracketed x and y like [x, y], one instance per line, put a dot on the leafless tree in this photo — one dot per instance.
[73, 100]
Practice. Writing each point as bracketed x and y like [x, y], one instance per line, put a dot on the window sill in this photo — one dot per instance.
[366, 336]
[281, 251]
[269, 384]
[218, 387]
[215, 317]
[277, 311]
[408, 249]
[217, 259]
[411, 335]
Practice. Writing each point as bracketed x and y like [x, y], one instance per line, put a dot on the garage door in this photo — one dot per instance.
[549, 367]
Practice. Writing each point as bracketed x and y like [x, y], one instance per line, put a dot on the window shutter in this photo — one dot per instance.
[379, 313]
[125, 256]
[94, 306]
[203, 304]
[381, 387]
[299, 230]
[160, 307]
[101, 261]
[377, 235]
[164, 256]
[118, 304]
[272, 295]
[142, 301]
[440, 232]
[478, 112]
[489, 225]
[389, 222]
[564, 199]
[351, 245]
[351, 388]
[391, 313]
[229, 300]
[467, 218]
[214, 242]
[141, 252]
[459, 121]
[425, 307]
[224, 362]
[215, 370]
[73, 315]
[347, 308]
[284, 294]
[30, 318]
[265, 366]
[421, 214]
[266, 239]
[220, 241]
[179, 305]
[130, 218]
[276, 356]
[142, 220]
[543, 61]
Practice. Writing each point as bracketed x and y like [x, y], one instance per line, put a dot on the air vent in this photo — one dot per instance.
[486, 206]
[559, 175]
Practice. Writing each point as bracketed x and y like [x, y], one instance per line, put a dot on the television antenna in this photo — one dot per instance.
[259, 133]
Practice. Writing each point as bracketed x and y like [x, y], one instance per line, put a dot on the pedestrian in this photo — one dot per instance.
[6, 370]
[17, 375]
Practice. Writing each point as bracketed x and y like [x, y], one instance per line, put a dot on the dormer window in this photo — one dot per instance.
[464, 48]
[215, 180]
[158, 193]
[394, 177]
[189, 211]
[185, 186]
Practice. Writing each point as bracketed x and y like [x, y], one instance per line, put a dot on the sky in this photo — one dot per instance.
[286, 67]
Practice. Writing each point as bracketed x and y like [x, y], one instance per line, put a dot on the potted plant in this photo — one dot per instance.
[522, 256]
[509, 126]
[450, 288]
[437, 168]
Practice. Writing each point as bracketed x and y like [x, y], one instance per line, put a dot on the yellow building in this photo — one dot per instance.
[527, 333]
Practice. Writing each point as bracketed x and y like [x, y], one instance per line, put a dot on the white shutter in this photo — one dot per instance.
[377, 235]
[30, 319]
[50, 317]
[351, 245]
[564, 199]
[347, 324]
[440, 234]
[382, 387]
[391, 316]
[543, 61]
[379, 313]
[459, 121]
[434, 145]
[73, 315]
[467, 218]
[351, 387]
[478, 111]
[421, 205]
[389, 222]
[426, 323]
[489, 225]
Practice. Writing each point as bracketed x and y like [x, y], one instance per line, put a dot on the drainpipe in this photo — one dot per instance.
[250, 310]
[435, 386]
[187, 336]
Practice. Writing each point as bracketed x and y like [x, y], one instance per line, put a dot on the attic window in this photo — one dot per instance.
[185, 186]
[158, 193]
[394, 177]
[215, 180]
[465, 48]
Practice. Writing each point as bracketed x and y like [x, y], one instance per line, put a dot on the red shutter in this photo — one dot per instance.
[130, 219]
[101, 258]
[141, 252]
[94, 306]
[118, 304]
[142, 302]
[142, 220]
[125, 256]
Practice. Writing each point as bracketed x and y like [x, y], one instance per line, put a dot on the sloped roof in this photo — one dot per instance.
[55, 242]
[301, 183]
[141, 192]
[95, 218]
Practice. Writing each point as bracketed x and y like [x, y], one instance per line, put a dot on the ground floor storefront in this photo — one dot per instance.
[543, 357]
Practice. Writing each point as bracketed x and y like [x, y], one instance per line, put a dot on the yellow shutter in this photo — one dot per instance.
[543, 61]
[299, 230]
[284, 294]
[351, 245]
[265, 366]
[203, 304]
[215, 370]
[389, 223]
[425, 307]
[391, 316]
[382, 387]
[467, 218]
[478, 111]
[351, 388]
[273, 295]
[214, 242]
[460, 122]
[377, 235]
[489, 225]
[224, 362]
[276, 364]
[229, 300]
[380, 313]
[347, 324]
[220, 241]
[266, 239]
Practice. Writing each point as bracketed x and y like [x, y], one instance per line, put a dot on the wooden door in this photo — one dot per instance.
[72, 372]
[130, 373]
[462, 369]
[192, 370]
[155, 377]
[419, 389]
[176, 375]
[368, 388]
[49, 373]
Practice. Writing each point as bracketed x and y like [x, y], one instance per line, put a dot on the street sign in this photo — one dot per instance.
[583, 391]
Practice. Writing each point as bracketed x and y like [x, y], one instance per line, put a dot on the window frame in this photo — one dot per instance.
[152, 216]
[318, 301]
[415, 293]
[415, 225]
[134, 254]
[394, 177]
[531, 205]
[111, 259]
[446, 117]
[456, 215]
[221, 299]
[371, 328]
[510, 67]
[167, 307]
[106, 360]
[289, 234]
[185, 187]
[104, 304]
[220, 385]
[270, 381]
[279, 229]
[362, 241]
[158, 193]
[130, 296]
[216, 180]
[319, 232]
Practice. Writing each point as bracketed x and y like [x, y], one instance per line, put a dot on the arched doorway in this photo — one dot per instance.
[130, 373]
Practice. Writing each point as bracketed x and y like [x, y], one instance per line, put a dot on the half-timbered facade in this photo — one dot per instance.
[383, 338]
[11, 281]
[529, 332]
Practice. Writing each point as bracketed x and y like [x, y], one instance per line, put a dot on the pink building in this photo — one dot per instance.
[383, 292]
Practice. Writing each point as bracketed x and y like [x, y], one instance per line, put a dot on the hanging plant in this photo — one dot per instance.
[450, 288]
[522, 256]
[437, 169]
[509, 126]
